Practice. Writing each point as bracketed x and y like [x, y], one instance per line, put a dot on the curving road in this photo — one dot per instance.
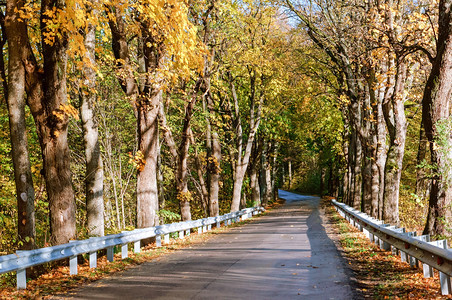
[283, 255]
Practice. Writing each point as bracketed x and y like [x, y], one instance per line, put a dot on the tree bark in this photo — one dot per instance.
[436, 104]
[200, 170]
[255, 165]
[94, 166]
[146, 102]
[397, 126]
[16, 31]
[147, 189]
[242, 161]
[47, 98]
[377, 208]
[423, 183]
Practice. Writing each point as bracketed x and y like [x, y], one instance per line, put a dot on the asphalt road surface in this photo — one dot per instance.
[284, 255]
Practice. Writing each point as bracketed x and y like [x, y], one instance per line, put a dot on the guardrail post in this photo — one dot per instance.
[158, 240]
[110, 253]
[403, 256]
[413, 260]
[426, 269]
[200, 230]
[181, 234]
[124, 251]
[92, 258]
[187, 232]
[218, 224]
[444, 279]
[73, 263]
[21, 277]
[366, 232]
[166, 238]
[384, 245]
[137, 246]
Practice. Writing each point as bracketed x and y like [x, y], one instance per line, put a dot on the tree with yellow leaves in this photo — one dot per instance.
[153, 43]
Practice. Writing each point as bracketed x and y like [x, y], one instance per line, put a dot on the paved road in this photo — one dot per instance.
[284, 255]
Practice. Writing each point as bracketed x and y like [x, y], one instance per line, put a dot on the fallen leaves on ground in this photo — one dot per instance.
[379, 274]
[56, 280]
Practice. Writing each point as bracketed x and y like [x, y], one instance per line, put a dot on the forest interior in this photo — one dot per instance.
[123, 114]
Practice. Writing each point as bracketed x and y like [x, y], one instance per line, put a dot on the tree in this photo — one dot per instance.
[436, 105]
[94, 166]
[47, 98]
[162, 30]
[16, 31]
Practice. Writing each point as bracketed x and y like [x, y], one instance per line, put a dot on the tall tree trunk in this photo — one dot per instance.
[254, 185]
[367, 147]
[397, 126]
[94, 166]
[200, 170]
[213, 151]
[346, 178]
[147, 189]
[145, 96]
[184, 194]
[15, 94]
[436, 104]
[377, 208]
[255, 165]
[290, 173]
[214, 171]
[423, 183]
[242, 161]
[47, 97]
[267, 172]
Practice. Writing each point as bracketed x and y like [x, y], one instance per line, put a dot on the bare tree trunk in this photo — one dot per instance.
[47, 98]
[290, 174]
[346, 178]
[200, 170]
[255, 189]
[147, 190]
[242, 161]
[94, 165]
[377, 208]
[255, 165]
[397, 126]
[423, 183]
[15, 94]
[213, 152]
[145, 100]
[357, 176]
[184, 194]
[215, 169]
[436, 104]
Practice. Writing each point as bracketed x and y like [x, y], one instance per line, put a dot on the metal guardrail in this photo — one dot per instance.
[412, 248]
[22, 260]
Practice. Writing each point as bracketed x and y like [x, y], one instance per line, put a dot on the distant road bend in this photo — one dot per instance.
[283, 255]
